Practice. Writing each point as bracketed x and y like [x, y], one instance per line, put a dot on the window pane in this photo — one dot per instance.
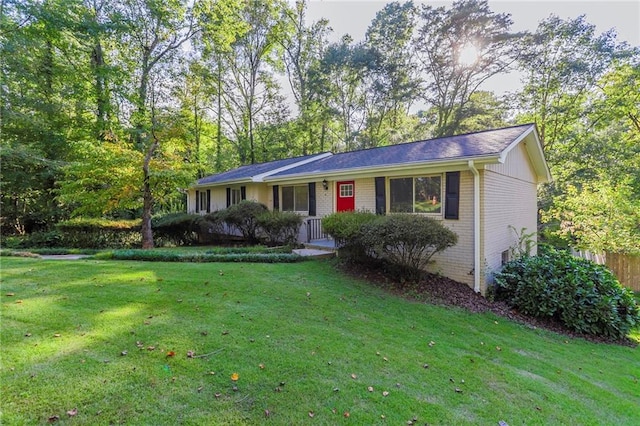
[302, 198]
[287, 198]
[346, 190]
[401, 195]
[235, 196]
[427, 195]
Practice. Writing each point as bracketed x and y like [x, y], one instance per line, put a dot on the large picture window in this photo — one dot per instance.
[295, 198]
[236, 196]
[416, 195]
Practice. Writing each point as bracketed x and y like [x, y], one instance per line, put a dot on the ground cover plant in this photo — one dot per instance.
[112, 342]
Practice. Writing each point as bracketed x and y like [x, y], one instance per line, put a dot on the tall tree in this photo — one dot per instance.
[561, 63]
[458, 49]
[304, 47]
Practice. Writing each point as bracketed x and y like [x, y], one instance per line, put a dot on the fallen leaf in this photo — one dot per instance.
[235, 377]
[385, 358]
[123, 353]
[217, 395]
[261, 366]
[212, 373]
[498, 348]
[53, 419]
[171, 354]
[204, 333]
[277, 389]
[353, 376]
[382, 416]
[458, 390]
[346, 414]
[151, 348]
[73, 412]
[18, 301]
[385, 393]
[190, 354]
[311, 414]
[200, 389]
[224, 333]
[10, 294]
[27, 335]
[267, 413]
[425, 366]
[431, 343]
[370, 388]
[57, 335]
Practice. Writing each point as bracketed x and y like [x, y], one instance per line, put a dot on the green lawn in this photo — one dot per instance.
[307, 344]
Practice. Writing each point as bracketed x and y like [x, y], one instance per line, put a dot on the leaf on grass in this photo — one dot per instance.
[151, 348]
[123, 353]
[190, 354]
[353, 376]
[346, 414]
[72, 413]
[431, 343]
[235, 377]
[10, 294]
[385, 393]
[53, 419]
[311, 414]
[267, 413]
[217, 395]
[200, 389]
[370, 388]
[57, 335]
[261, 366]
[458, 390]
[498, 348]
[171, 354]
[27, 335]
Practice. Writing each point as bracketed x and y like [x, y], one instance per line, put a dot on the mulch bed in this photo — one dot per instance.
[439, 290]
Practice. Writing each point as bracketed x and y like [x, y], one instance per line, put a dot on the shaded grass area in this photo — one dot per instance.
[307, 343]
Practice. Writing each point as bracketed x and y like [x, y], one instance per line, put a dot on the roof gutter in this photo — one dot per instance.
[476, 226]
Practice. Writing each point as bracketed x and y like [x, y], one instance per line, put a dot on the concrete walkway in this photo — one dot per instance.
[317, 254]
[63, 256]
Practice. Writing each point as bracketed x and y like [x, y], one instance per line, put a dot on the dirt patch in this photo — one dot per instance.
[439, 290]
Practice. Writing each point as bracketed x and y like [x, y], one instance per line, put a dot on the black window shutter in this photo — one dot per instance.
[208, 201]
[243, 193]
[197, 201]
[452, 195]
[228, 197]
[312, 198]
[381, 200]
[276, 197]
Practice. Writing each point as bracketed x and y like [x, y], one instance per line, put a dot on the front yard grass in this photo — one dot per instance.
[112, 340]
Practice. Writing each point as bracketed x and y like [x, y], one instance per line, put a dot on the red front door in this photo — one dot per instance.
[346, 196]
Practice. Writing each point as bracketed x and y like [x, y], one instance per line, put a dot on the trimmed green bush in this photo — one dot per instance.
[180, 229]
[280, 227]
[244, 217]
[345, 228]
[407, 241]
[582, 295]
[172, 256]
[99, 233]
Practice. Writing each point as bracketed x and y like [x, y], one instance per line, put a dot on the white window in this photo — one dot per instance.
[416, 195]
[346, 190]
[236, 196]
[295, 198]
[202, 201]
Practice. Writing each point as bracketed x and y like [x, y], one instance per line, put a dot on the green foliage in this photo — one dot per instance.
[584, 296]
[346, 229]
[178, 228]
[244, 217]
[99, 233]
[280, 227]
[407, 241]
[177, 256]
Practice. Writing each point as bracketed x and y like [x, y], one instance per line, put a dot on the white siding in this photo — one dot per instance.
[508, 199]
[457, 262]
[365, 192]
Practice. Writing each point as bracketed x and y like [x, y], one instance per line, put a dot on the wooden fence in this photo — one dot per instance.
[625, 267]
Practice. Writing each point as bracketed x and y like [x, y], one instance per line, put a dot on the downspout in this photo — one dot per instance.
[476, 227]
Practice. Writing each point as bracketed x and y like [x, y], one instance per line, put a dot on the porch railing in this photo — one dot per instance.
[314, 230]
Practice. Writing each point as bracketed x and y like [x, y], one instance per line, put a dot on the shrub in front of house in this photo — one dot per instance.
[582, 295]
[180, 229]
[280, 228]
[99, 233]
[244, 217]
[408, 242]
[346, 229]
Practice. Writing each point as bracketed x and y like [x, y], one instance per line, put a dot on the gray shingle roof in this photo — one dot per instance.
[249, 171]
[479, 144]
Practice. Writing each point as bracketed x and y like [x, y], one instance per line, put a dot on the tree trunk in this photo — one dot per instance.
[147, 198]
